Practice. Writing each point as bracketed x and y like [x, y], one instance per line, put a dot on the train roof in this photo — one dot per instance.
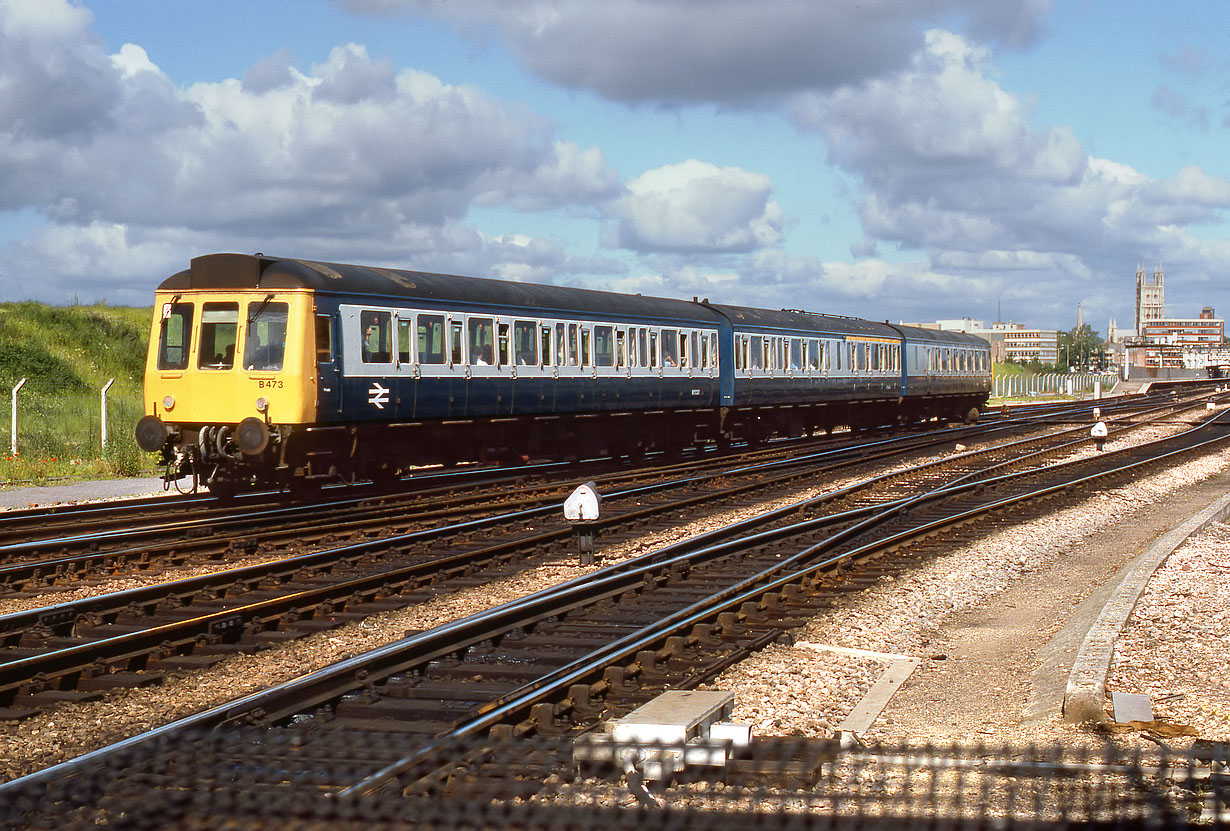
[801, 321]
[246, 271]
[243, 271]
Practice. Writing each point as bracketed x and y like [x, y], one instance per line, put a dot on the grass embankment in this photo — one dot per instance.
[67, 355]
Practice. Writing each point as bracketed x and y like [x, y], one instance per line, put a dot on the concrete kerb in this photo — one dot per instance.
[1085, 696]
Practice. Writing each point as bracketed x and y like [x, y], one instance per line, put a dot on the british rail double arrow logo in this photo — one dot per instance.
[378, 395]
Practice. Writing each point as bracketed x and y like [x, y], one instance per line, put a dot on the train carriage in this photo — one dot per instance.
[944, 373]
[354, 371]
[294, 373]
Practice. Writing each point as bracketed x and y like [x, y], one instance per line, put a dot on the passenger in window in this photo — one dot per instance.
[482, 347]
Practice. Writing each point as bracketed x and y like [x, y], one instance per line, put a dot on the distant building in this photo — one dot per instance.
[1172, 342]
[1009, 341]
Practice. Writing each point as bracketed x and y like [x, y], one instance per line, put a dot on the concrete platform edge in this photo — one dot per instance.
[1085, 694]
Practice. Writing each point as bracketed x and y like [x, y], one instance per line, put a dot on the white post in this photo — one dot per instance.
[15, 389]
[104, 413]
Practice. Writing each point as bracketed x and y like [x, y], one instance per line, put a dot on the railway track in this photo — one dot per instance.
[78, 649]
[66, 545]
[557, 661]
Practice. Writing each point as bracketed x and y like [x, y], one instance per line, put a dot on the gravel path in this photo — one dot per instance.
[981, 618]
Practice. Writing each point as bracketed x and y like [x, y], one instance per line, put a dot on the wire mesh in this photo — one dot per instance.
[291, 779]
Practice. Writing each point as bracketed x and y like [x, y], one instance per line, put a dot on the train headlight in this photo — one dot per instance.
[168, 402]
[261, 405]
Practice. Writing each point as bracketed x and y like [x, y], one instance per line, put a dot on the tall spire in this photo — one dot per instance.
[1080, 318]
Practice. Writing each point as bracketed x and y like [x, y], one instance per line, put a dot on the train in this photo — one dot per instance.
[292, 373]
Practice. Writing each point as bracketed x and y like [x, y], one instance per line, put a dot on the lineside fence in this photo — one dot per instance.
[58, 433]
[1055, 383]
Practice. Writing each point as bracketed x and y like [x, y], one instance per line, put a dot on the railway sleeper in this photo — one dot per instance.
[122, 679]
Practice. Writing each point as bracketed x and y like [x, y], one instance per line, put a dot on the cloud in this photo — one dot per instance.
[1189, 61]
[725, 51]
[1174, 104]
[698, 207]
[350, 151]
[951, 165]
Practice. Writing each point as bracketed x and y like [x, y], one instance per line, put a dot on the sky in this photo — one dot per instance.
[894, 160]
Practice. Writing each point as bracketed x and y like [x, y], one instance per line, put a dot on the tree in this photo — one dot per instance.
[1082, 349]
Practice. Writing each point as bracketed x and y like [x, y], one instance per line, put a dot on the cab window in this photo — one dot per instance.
[174, 334]
[265, 344]
[219, 327]
[377, 344]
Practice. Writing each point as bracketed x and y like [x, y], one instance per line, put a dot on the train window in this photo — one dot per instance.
[757, 361]
[219, 329]
[683, 349]
[695, 348]
[377, 337]
[813, 354]
[525, 342]
[704, 352]
[796, 353]
[403, 339]
[431, 339]
[456, 339]
[604, 346]
[265, 342]
[482, 348]
[670, 347]
[713, 347]
[503, 354]
[560, 345]
[173, 337]
[546, 345]
[585, 337]
[653, 348]
[621, 350]
[324, 339]
[572, 344]
[642, 343]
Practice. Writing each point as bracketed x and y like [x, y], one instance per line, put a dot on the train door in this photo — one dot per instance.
[725, 359]
[328, 373]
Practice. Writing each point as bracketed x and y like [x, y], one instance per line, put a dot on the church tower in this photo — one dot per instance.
[1150, 298]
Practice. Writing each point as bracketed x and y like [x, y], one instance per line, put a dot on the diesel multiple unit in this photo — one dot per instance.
[294, 373]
